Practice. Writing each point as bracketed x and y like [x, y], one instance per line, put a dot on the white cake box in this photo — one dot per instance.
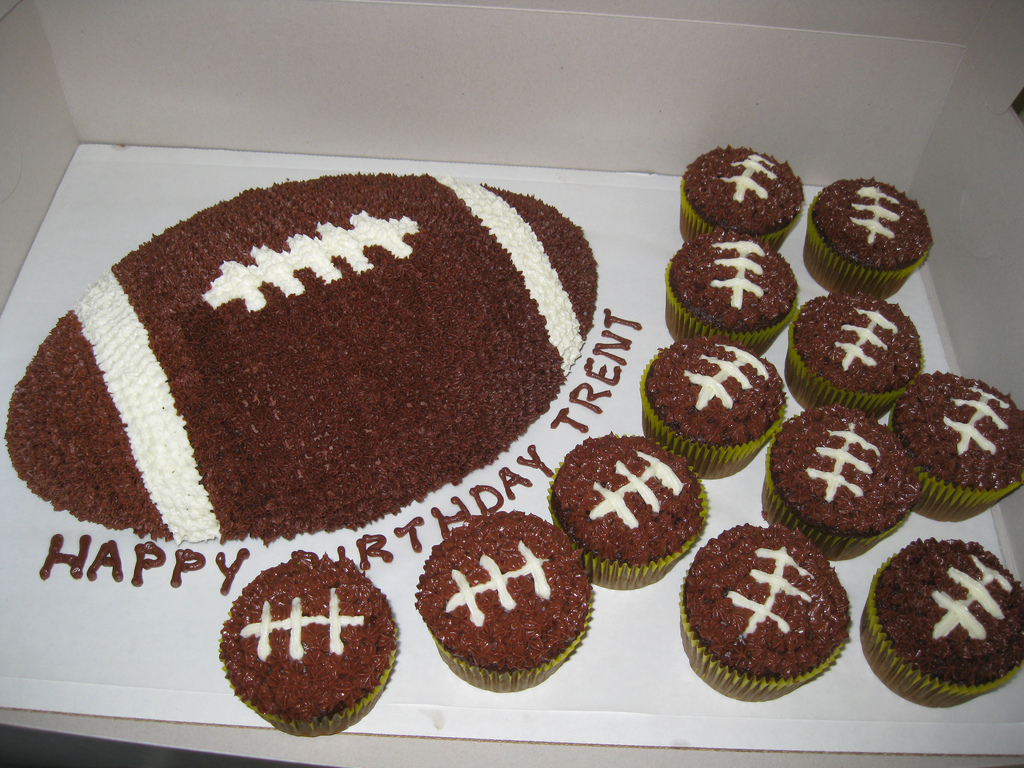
[119, 119]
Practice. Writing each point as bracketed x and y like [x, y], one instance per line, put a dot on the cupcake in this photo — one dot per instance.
[966, 440]
[737, 188]
[763, 612]
[864, 235]
[721, 282]
[840, 478]
[853, 349]
[713, 402]
[309, 645]
[943, 623]
[506, 600]
[632, 507]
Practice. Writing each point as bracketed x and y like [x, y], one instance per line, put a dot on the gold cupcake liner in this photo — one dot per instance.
[682, 324]
[903, 678]
[840, 275]
[733, 683]
[613, 574]
[692, 224]
[833, 546]
[328, 726]
[811, 390]
[518, 680]
[707, 461]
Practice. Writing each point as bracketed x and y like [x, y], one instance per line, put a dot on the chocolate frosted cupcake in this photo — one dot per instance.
[943, 623]
[309, 645]
[840, 478]
[966, 440]
[726, 283]
[631, 506]
[506, 600]
[762, 612]
[853, 349]
[737, 188]
[713, 402]
[864, 235]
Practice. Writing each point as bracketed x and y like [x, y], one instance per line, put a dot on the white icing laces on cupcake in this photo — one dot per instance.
[745, 182]
[968, 430]
[294, 625]
[865, 336]
[958, 612]
[842, 458]
[879, 213]
[498, 582]
[742, 263]
[711, 387]
[777, 582]
[615, 501]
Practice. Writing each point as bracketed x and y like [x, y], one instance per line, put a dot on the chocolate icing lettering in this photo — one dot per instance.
[147, 555]
[576, 399]
[477, 493]
[602, 375]
[107, 557]
[185, 560]
[448, 522]
[610, 320]
[510, 479]
[229, 572]
[372, 545]
[56, 557]
[409, 529]
[534, 461]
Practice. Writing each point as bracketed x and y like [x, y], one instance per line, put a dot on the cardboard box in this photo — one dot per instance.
[916, 92]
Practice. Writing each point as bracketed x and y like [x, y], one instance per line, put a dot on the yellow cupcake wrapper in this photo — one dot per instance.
[682, 324]
[707, 461]
[692, 224]
[839, 275]
[812, 390]
[903, 678]
[833, 546]
[949, 502]
[735, 684]
[612, 574]
[510, 682]
[327, 726]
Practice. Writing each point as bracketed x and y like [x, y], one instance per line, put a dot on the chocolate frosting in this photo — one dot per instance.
[594, 461]
[693, 269]
[322, 683]
[816, 628]
[887, 492]
[324, 410]
[833, 213]
[908, 613]
[537, 629]
[819, 327]
[918, 418]
[674, 398]
[712, 197]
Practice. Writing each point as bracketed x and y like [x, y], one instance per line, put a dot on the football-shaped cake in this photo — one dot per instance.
[306, 357]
